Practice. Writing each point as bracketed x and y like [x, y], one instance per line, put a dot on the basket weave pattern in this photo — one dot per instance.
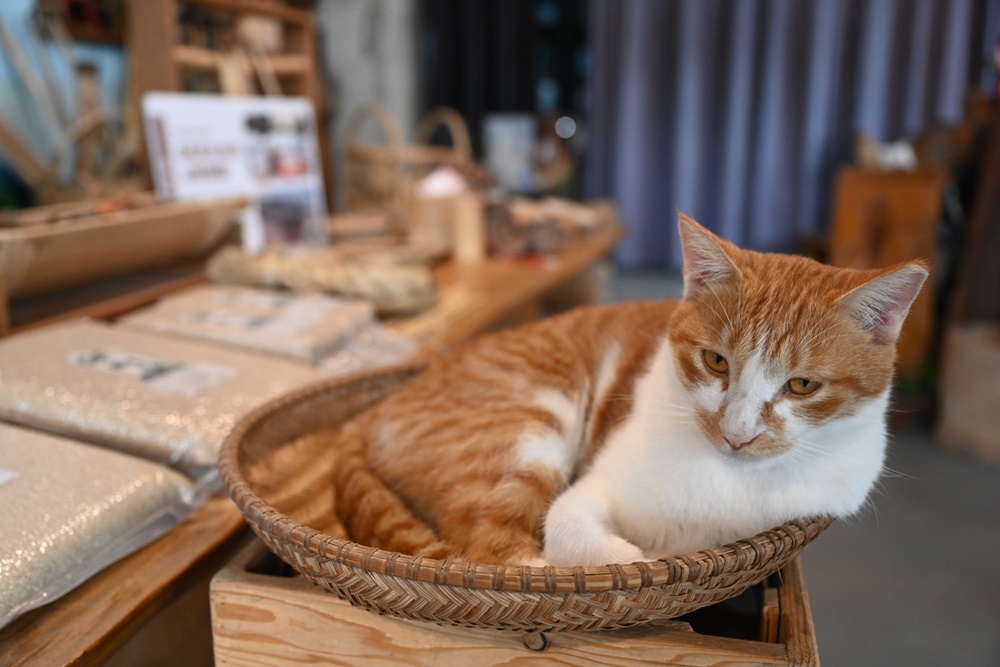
[272, 464]
[382, 175]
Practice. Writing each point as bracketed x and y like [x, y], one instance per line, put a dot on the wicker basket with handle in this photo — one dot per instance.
[273, 465]
[381, 176]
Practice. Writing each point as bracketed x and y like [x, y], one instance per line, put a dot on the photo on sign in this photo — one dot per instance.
[262, 148]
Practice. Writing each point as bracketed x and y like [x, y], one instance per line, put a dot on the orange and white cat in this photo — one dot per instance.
[630, 432]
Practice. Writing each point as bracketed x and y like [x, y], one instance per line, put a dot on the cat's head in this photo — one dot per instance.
[773, 347]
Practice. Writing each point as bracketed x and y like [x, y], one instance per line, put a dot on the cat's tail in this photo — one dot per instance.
[372, 514]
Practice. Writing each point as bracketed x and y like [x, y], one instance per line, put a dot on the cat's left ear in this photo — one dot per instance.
[881, 304]
[705, 260]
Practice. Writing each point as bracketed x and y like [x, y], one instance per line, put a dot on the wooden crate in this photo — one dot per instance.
[969, 390]
[262, 615]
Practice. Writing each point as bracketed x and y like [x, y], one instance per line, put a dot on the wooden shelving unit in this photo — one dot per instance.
[165, 53]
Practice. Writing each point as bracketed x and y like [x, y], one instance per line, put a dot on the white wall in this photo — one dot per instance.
[370, 48]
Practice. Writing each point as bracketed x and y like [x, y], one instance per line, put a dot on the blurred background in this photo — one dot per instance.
[859, 132]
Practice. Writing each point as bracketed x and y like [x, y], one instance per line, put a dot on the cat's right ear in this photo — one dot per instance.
[705, 260]
[881, 304]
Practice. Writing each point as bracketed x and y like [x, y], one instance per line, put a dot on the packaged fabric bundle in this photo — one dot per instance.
[167, 400]
[306, 327]
[70, 510]
[373, 347]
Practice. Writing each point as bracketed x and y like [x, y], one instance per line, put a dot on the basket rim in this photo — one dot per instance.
[748, 553]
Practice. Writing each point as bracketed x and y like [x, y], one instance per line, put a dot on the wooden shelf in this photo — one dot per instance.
[195, 57]
[270, 8]
[154, 29]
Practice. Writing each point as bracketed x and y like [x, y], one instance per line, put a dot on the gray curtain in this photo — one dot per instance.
[738, 112]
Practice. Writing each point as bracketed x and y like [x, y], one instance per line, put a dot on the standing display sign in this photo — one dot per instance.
[261, 148]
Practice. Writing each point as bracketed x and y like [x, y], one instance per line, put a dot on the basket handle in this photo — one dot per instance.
[451, 119]
[382, 117]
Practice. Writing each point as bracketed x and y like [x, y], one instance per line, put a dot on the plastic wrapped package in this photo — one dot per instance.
[70, 510]
[307, 327]
[373, 347]
[167, 400]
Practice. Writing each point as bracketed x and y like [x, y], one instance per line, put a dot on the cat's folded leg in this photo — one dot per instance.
[504, 525]
[579, 530]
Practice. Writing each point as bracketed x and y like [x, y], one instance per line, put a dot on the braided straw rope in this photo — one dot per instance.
[273, 465]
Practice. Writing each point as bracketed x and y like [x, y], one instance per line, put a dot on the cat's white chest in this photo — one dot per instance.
[670, 491]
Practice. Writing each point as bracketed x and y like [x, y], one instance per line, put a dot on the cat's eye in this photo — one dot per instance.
[715, 361]
[801, 386]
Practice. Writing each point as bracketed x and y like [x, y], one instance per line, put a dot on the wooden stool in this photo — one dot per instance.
[260, 617]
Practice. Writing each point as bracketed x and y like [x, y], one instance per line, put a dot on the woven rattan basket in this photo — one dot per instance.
[381, 175]
[273, 465]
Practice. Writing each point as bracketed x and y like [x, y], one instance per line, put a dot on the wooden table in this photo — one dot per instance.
[89, 624]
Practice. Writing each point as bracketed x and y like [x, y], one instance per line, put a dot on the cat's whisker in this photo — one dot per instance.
[809, 453]
[811, 448]
[711, 287]
[678, 407]
[798, 456]
[619, 421]
[683, 406]
[809, 344]
[879, 488]
[739, 307]
[684, 420]
[825, 453]
[902, 411]
[871, 503]
[839, 461]
[805, 456]
[680, 411]
[897, 474]
[655, 401]
[710, 307]
[677, 413]
[812, 333]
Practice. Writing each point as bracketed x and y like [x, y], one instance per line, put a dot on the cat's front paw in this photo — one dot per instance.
[619, 550]
[608, 550]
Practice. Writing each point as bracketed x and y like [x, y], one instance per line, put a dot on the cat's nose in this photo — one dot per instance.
[739, 440]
